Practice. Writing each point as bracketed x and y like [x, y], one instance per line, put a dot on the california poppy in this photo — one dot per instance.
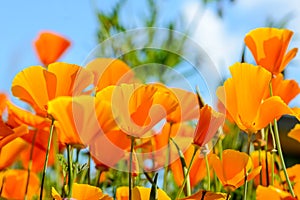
[269, 46]
[137, 107]
[50, 46]
[295, 133]
[287, 90]
[263, 163]
[3, 99]
[233, 168]
[206, 195]
[208, 123]
[198, 169]
[14, 178]
[109, 71]
[83, 192]
[273, 193]
[244, 98]
[139, 193]
[80, 119]
[36, 85]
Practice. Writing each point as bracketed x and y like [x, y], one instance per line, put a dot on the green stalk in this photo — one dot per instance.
[278, 144]
[47, 158]
[245, 187]
[70, 170]
[187, 173]
[273, 152]
[130, 168]
[207, 170]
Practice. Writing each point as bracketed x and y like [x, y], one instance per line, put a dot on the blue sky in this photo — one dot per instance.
[21, 21]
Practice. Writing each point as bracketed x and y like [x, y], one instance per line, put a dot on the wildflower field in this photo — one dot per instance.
[117, 128]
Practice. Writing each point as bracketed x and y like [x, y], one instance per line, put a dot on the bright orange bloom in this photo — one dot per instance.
[287, 90]
[198, 169]
[50, 46]
[269, 46]
[3, 100]
[233, 168]
[83, 192]
[139, 193]
[36, 85]
[206, 195]
[293, 172]
[136, 107]
[271, 192]
[80, 119]
[244, 98]
[262, 163]
[295, 133]
[10, 152]
[13, 184]
[109, 71]
[7, 134]
[208, 124]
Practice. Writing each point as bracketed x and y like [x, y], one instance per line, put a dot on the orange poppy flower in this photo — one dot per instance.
[50, 46]
[10, 152]
[244, 98]
[262, 163]
[109, 71]
[3, 100]
[295, 133]
[285, 89]
[8, 134]
[233, 168]
[136, 107]
[273, 193]
[206, 195]
[36, 85]
[139, 193]
[83, 192]
[293, 172]
[13, 184]
[269, 46]
[198, 169]
[208, 124]
[80, 119]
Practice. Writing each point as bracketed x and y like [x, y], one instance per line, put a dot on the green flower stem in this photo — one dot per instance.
[187, 173]
[277, 140]
[273, 153]
[47, 158]
[278, 144]
[245, 187]
[207, 169]
[30, 163]
[130, 168]
[70, 170]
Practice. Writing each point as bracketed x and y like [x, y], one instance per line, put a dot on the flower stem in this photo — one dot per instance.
[130, 168]
[166, 170]
[187, 173]
[207, 170]
[277, 140]
[70, 170]
[245, 187]
[47, 158]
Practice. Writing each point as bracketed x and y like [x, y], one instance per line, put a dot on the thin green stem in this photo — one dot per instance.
[47, 158]
[70, 170]
[278, 144]
[188, 171]
[245, 187]
[30, 163]
[207, 171]
[273, 152]
[277, 139]
[130, 168]
[266, 155]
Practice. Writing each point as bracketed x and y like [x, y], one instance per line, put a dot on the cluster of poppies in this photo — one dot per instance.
[102, 115]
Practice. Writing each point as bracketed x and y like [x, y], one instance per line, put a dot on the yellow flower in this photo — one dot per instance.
[269, 46]
[83, 192]
[243, 97]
